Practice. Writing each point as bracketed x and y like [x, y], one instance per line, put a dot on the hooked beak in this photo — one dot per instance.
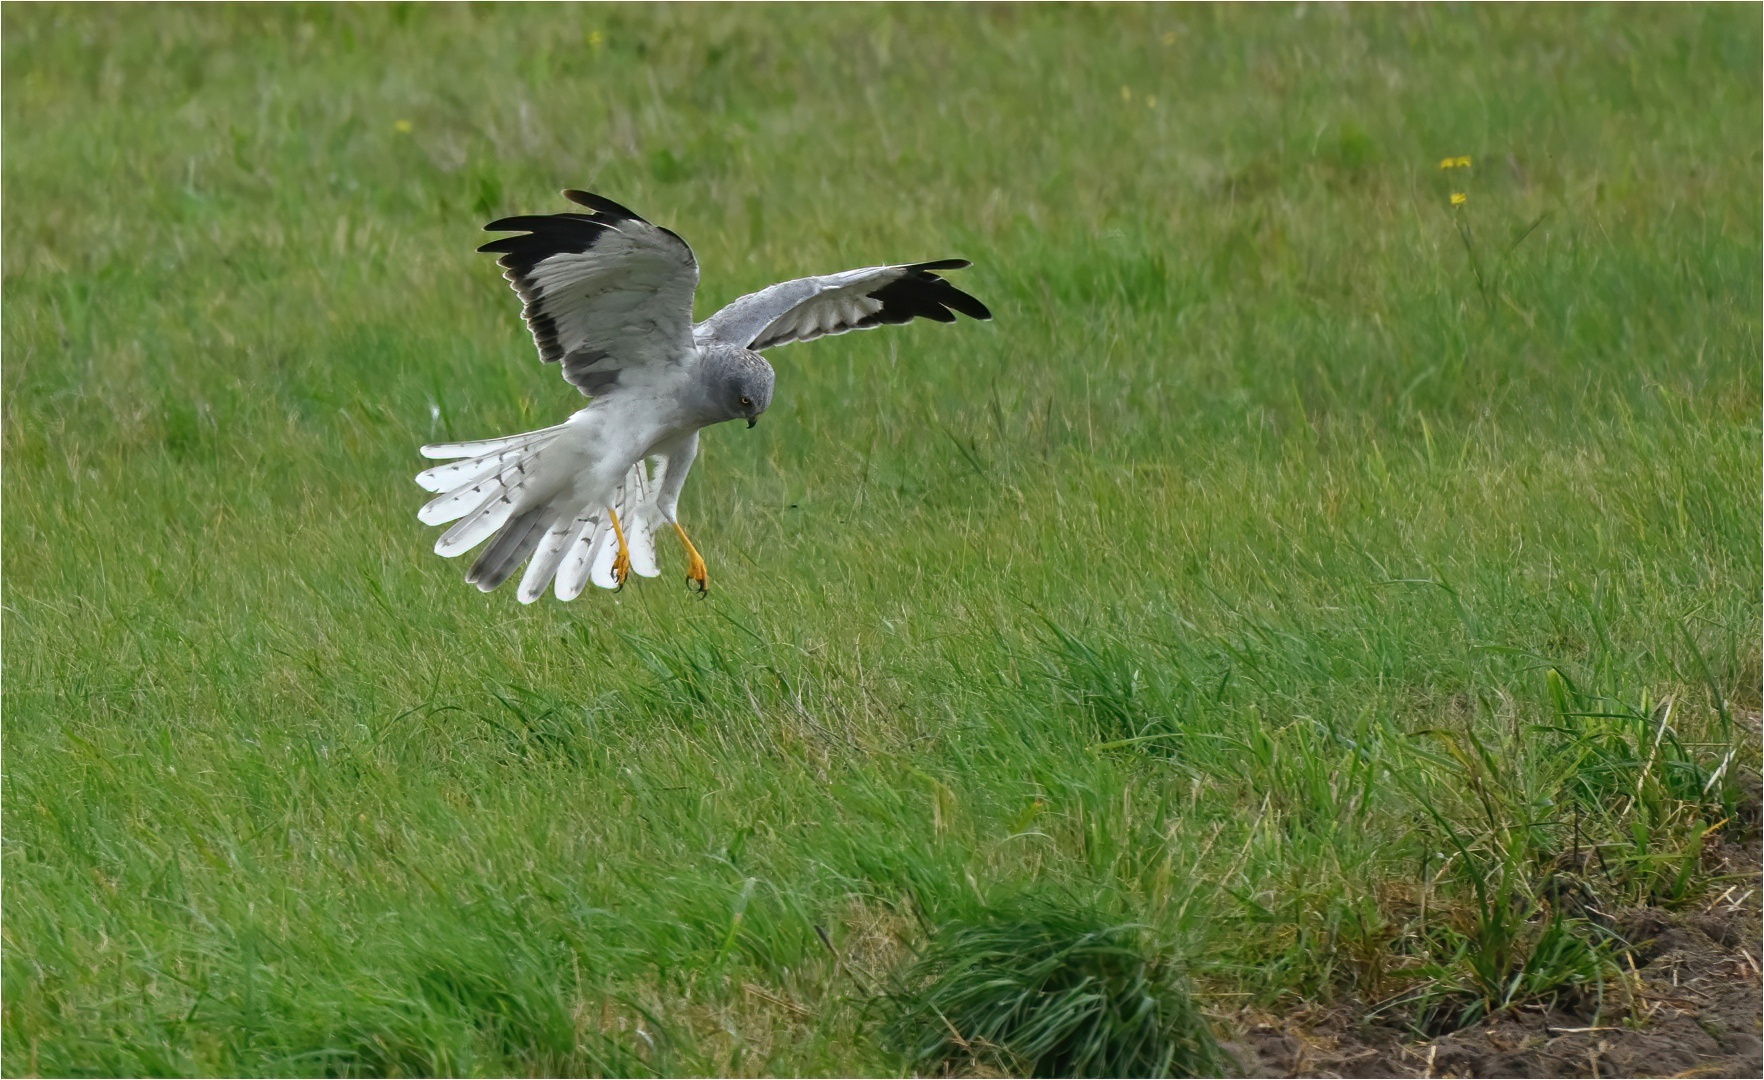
[752, 420]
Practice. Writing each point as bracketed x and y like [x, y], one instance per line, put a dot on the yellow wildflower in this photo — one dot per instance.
[403, 127]
[595, 39]
[1459, 198]
[1454, 163]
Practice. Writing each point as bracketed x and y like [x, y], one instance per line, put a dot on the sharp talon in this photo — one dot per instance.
[695, 569]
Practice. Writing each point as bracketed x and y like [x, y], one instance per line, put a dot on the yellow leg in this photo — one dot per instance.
[695, 569]
[622, 562]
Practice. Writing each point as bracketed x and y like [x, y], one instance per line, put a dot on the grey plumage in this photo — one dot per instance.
[608, 297]
[737, 383]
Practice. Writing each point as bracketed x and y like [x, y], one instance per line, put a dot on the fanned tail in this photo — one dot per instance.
[494, 488]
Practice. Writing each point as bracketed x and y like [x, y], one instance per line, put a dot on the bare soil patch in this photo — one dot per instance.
[1690, 1006]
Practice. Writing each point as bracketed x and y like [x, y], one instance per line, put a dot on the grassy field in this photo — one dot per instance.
[1353, 593]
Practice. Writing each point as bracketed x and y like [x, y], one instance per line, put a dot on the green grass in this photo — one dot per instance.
[1360, 603]
[1050, 989]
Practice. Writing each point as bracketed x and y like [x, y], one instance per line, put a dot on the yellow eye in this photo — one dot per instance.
[745, 402]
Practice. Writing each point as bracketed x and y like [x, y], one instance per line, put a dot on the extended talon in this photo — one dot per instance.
[621, 566]
[696, 572]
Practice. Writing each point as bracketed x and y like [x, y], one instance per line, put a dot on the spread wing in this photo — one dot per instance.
[807, 308]
[606, 292]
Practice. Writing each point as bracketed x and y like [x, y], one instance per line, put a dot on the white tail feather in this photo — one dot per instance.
[546, 557]
[470, 496]
[642, 544]
[572, 575]
[483, 447]
[488, 490]
[467, 485]
[475, 527]
[634, 515]
[600, 562]
[456, 474]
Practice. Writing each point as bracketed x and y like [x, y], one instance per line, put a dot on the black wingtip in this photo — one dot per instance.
[942, 264]
[946, 294]
[531, 222]
[955, 299]
[600, 204]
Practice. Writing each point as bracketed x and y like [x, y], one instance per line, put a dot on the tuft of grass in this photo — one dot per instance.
[1050, 988]
[1508, 951]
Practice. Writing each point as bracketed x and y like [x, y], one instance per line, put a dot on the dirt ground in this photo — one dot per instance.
[1695, 1011]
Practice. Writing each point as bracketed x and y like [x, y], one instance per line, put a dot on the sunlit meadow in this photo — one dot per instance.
[1348, 586]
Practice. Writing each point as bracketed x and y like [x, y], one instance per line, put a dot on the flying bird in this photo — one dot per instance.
[608, 297]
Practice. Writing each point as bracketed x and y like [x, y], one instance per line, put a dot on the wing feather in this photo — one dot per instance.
[604, 292]
[813, 307]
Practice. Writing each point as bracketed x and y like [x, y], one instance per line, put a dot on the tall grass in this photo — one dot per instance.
[1257, 577]
[1046, 989]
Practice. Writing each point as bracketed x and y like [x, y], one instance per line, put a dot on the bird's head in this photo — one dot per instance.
[741, 388]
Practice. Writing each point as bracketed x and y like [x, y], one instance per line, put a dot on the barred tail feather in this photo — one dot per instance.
[484, 447]
[600, 560]
[635, 514]
[469, 484]
[510, 548]
[457, 474]
[549, 554]
[572, 573]
[476, 527]
[464, 500]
